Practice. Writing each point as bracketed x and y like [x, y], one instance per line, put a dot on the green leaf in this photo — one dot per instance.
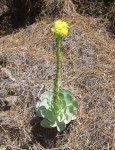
[67, 119]
[47, 95]
[74, 117]
[53, 123]
[44, 103]
[75, 105]
[42, 109]
[61, 126]
[61, 96]
[68, 99]
[38, 112]
[63, 104]
[46, 113]
[60, 117]
[63, 116]
[38, 104]
[45, 99]
[45, 123]
[65, 91]
[70, 111]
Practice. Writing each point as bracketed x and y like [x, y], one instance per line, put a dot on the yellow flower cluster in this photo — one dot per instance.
[60, 29]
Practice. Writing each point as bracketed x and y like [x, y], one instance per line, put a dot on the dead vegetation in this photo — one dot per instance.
[59, 8]
[15, 14]
[103, 9]
[27, 69]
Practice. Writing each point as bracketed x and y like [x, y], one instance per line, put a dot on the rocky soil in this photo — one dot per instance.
[27, 69]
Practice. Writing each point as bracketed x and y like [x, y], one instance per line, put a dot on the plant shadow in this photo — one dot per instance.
[45, 136]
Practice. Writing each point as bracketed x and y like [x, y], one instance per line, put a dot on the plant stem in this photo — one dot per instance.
[56, 82]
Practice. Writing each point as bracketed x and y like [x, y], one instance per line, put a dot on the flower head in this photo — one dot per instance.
[60, 29]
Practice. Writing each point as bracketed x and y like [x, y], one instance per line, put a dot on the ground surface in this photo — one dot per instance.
[27, 69]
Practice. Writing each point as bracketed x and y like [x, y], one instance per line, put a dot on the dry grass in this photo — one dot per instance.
[27, 69]
[105, 10]
[59, 8]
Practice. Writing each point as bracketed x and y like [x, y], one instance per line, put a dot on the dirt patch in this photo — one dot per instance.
[27, 69]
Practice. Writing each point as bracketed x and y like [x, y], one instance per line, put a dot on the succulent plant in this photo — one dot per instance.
[53, 118]
[57, 106]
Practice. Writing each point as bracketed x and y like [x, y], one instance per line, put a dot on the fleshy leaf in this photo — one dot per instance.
[63, 116]
[68, 99]
[42, 109]
[67, 119]
[61, 126]
[69, 111]
[61, 96]
[45, 123]
[44, 103]
[38, 112]
[47, 114]
[47, 95]
[53, 123]
[38, 104]
[75, 105]
[65, 91]
[60, 117]
[63, 104]
[74, 117]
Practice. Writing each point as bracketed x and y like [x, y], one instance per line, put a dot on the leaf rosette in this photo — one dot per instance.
[65, 114]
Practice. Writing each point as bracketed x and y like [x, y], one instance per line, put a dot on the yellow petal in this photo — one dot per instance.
[60, 28]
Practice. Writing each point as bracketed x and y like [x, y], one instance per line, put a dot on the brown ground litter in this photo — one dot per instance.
[20, 13]
[27, 69]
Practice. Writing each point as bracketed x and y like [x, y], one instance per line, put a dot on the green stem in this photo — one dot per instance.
[56, 82]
